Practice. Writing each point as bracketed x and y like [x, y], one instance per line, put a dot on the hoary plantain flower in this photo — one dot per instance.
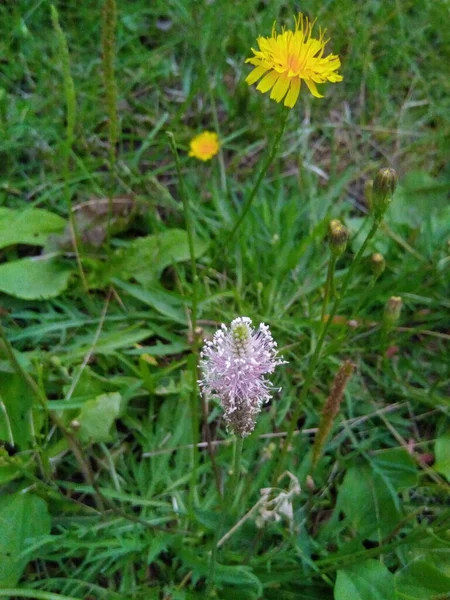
[287, 58]
[204, 146]
[234, 365]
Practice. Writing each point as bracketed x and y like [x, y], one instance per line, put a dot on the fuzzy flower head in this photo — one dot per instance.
[234, 365]
[204, 146]
[287, 58]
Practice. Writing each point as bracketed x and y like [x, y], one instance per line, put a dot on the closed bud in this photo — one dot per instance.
[338, 236]
[378, 264]
[392, 310]
[383, 190]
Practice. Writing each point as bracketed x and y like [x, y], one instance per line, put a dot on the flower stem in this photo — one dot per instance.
[329, 285]
[193, 326]
[71, 111]
[228, 504]
[109, 48]
[316, 354]
[266, 164]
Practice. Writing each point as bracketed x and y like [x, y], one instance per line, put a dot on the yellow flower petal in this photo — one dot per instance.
[204, 146]
[256, 74]
[312, 88]
[289, 57]
[280, 88]
[267, 82]
[293, 93]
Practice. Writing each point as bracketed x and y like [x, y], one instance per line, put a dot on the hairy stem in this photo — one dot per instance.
[108, 56]
[266, 164]
[228, 505]
[71, 109]
[316, 354]
[329, 285]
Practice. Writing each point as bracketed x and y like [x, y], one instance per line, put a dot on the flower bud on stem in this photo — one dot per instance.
[383, 190]
[378, 216]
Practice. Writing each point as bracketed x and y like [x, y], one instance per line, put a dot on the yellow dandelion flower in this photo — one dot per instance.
[288, 57]
[204, 146]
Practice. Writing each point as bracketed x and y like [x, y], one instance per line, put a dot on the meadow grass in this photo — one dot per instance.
[135, 514]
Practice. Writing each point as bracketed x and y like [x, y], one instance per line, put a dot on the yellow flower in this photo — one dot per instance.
[288, 57]
[204, 146]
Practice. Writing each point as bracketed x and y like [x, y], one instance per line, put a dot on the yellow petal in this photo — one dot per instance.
[280, 88]
[256, 74]
[312, 88]
[293, 93]
[267, 82]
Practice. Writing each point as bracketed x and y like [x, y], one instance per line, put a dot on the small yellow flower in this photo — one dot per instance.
[288, 57]
[204, 146]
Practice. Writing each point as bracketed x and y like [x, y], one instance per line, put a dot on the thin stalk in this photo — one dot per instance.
[71, 110]
[195, 296]
[329, 285]
[266, 164]
[109, 23]
[231, 489]
[316, 354]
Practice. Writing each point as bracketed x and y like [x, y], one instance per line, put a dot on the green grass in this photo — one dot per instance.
[136, 514]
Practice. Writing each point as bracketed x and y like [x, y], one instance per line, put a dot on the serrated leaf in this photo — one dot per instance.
[369, 580]
[34, 278]
[31, 226]
[22, 516]
[97, 417]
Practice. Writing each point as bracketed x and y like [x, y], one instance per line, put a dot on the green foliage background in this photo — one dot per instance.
[137, 519]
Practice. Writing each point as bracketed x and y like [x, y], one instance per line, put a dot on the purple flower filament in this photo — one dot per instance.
[234, 365]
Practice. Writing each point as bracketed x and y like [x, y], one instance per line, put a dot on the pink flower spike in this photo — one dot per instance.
[234, 366]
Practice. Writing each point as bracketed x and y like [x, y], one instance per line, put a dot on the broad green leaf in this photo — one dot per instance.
[369, 503]
[399, 467]
[369, 580]
[145, 258]
[34, 278]
[22, 516]
[421, 580]
[16, 401]
[97, 417]
[417, 196]
[30, 226]
[442, 453]
[160, 300]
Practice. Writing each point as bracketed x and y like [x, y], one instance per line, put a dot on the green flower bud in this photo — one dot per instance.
[338, 236]
[392, 310]
[378, 264]
[383, 190]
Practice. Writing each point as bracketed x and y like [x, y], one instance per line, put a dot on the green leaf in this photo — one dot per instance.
[31, 226]
[34, 278]
[159, 299]
[145, 258]
[421, 580]
[22, 516]
[97, 417]
[16, 401]
[442, 453]
[399, 467]
[369, 503]
[418, 196]
[369, 580]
